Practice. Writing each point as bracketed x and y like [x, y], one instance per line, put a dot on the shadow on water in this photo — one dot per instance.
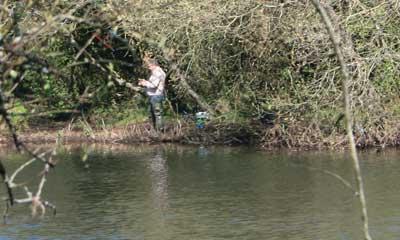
[177, 192]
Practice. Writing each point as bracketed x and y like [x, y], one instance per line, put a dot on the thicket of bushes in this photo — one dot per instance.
[250, 61]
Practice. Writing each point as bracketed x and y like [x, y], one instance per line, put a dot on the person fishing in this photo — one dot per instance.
[155, 91]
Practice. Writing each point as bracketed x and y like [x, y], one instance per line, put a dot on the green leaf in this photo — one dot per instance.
[13, 74]
[47, 86]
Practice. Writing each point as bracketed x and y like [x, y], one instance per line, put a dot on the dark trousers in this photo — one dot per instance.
[156, 111]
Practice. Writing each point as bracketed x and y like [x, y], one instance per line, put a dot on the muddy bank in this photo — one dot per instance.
[228, 134]
[266, 137]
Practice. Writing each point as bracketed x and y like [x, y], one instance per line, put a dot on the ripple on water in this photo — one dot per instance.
[179, 193]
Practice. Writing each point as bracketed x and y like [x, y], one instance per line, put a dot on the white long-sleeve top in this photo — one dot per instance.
[156, 83]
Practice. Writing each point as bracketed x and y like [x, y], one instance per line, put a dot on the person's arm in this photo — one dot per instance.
[153, 81]
[142, 82]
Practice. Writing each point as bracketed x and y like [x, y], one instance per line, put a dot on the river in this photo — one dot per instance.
[207, 193]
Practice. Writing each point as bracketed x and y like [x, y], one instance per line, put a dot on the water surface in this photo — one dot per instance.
[180, 193]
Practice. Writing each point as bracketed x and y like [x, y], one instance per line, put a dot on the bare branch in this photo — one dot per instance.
[109, 70]
[40, 156]
[346, 100]
[88, 42]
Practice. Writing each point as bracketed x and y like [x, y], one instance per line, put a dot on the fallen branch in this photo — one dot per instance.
[203, 104]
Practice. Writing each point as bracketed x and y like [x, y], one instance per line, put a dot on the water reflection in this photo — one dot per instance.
[159, 179]
[174, 192]
[156, 220]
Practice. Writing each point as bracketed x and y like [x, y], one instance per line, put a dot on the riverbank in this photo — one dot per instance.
[294, 136]
[179, 132]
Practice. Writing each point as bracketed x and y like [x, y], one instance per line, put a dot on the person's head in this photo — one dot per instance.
[152, 64]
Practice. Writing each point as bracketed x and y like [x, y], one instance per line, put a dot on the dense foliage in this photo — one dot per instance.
[257, 62]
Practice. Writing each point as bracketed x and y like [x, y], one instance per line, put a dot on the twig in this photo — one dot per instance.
[112, 73]
[40, 156]
[346, 100]
[7, 119]
[35, 200]
[337, 176]
[7, 183]
[88, 42]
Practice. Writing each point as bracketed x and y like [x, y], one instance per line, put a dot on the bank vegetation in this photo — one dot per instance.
[266, 71]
